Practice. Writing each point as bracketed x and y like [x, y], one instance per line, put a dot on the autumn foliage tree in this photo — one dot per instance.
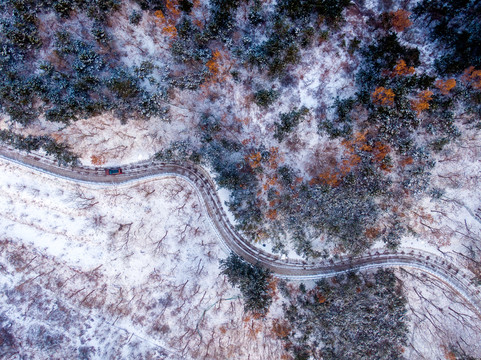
[219, 66]
[212, 64]
[169, 19]
[445, 86]
[353, 150]
[401, 69]
[254, 159]
[472, 77]
[400, 20]
[383, 97]
[421, 102]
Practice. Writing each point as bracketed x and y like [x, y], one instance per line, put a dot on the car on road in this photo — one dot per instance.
[113, 171]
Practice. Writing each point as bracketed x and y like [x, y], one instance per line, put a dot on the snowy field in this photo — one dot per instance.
[116, 272]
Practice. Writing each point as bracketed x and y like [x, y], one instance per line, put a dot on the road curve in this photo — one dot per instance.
[448, 273]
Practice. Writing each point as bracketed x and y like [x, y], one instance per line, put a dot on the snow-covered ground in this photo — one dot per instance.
[126, 271]
[438, 319]
[453, 221]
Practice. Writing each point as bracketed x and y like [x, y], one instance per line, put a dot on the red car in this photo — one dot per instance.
[113, 171]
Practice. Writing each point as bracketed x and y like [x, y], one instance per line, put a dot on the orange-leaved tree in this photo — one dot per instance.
[327, 177]
[254, 159]
[380, 151]
[219, 66]
[448, 354]
[168, 24]
[212, 64]
[353, 149]
[422, 101]
[271, 214]
[472, 77]
[400, 20]
[360, 144]
[402, 69]
[173, 8]
[382, 96]
[445, 85]
[170, 19]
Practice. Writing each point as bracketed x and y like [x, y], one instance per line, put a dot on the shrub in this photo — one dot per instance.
[278, 51]
[255, 15]
[222, 17]
[22, 31]
[353, 45]
[178, 151]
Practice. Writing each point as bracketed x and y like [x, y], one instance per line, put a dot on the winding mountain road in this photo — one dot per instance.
[454, 277]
